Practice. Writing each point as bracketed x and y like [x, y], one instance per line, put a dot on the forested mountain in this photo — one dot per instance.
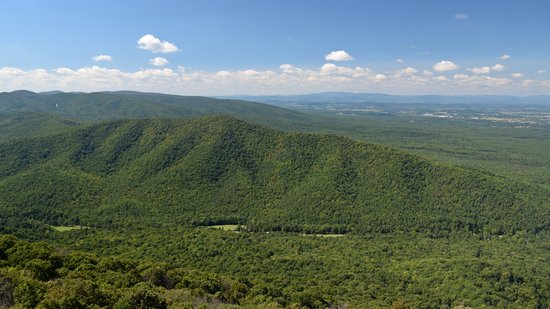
[219, 170]
[17, 125]
[135, 105]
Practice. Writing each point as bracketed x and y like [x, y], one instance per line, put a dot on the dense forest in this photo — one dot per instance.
[98, 106]
[202, 268]
[220, 170]
[217, 212]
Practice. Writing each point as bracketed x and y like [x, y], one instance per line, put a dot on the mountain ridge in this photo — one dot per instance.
[219, 170]
[130, 105]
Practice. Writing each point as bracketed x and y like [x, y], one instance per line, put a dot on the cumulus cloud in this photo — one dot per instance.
[461, 16]
[487, 69]
[541, 72]
[328, 68]
[222, 74]
[498, 67]
[480, 70]
[99, 58]
[399, 60]
[289, 68]
[517, 75]
[155, 45]
[460, 76]
[338, 55]
[158, 61]
[287, 79]
[286, 66]
[505, 57]
[407, 71]
[444, 66]
[249, 72]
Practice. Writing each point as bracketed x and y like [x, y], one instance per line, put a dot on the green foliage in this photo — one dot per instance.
[142, 296]
[86, 281]
[412, 234]
[499, 147]
[28, 125]
[129, 105]
[258, 270]
[6, 292]
[220, 171]
[74, 293]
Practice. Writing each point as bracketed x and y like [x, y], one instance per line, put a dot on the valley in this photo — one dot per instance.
[238, 213]
[250, 154]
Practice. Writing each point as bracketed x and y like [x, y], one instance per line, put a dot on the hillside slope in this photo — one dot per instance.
[26, 125]
[220, 170]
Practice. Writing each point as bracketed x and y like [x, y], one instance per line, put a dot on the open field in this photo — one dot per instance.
[227, 227]
[63, 228]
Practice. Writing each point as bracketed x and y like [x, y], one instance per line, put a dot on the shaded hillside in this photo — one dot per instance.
[222, 170]
[17, 125]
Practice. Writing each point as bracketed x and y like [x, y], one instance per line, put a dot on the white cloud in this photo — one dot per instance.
[249, 72]
[541, 72]
[486, 69]
[155, 45]
[289, 68]
[505, 57]
[427, 73]
[338, 55]
[399, 60]
[445, 65]
[99, 58]
[528, 82]
[517, 75]
[10, 71]
[286, 66]
[460, 76]
[158, 61]
[328, 68]
[498, 67]
[287, 79]
[461, 16]
[407, 71]
[480, 70]
[63, 70]
[222, 74]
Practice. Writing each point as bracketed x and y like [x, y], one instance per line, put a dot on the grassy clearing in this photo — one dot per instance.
[64, 228]
[329, 235]
[227, 227]
[325, 235]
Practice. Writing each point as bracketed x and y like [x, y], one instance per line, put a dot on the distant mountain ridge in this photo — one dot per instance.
[25, 113]
[132, 105]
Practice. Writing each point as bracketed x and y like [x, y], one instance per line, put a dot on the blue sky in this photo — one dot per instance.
[269, 47]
